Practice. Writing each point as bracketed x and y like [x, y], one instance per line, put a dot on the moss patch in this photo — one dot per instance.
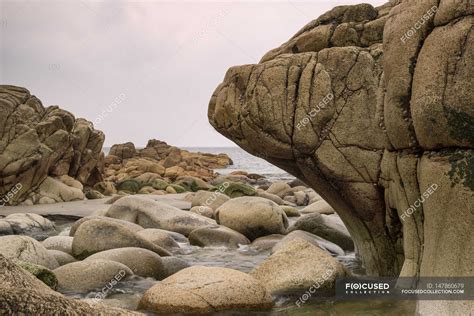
[462, 169]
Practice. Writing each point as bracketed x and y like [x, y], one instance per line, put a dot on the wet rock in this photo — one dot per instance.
[205, 211]
[5, 228]
[61, 257]
[151, 214]
[236, 189]
[301, 198]
[129, 186]
[141, 261]
[204, 290]
[41, 273]
[209, 199]
[296, 267]
[193, 184]
[29, 224]
[279, 188]
[321, 207]
[266, 242]
[61, 243]
[217, 235]
[270, 196]
[105, 187]
[252, 216]
[127, 224]
[313, 239]
[290, 211]
[161, 237]
[97, 235]
[26, 249]
[93, 194]
[325, 226]
[173, 265]
[88, 275]
[59, 191]
[23, 294]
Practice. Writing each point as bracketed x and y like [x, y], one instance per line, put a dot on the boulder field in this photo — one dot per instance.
[373, 108]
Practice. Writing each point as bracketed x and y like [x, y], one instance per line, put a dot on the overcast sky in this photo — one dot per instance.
[154, 63]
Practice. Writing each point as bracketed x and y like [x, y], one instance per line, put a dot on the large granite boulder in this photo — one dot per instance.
[98, 235]
[142, 262]
[297, 266]
[152, 214]
[29, 224]
[88, 275]
[27, 249]
[252, 216]
[373, 108]
[204, 290]
[38, 142]
[23, 294]
[327, 227]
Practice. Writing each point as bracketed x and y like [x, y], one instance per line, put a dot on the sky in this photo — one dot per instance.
[150, 66]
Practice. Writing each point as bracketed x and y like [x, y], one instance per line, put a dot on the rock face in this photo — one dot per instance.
[98, 235]
[23, 294]
[142, 262]
[329, 228]
[151, 214]
[27, 249]
[297, 266]
[38, 142]
[165, 162]
[26, 224]
[252, 216]
[216, 235]
[378, 119]
[204, 290]
[91, 274]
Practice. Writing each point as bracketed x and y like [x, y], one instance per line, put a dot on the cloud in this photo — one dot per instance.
[166, 57]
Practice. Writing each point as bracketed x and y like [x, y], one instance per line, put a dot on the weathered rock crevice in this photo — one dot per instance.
[392, 151]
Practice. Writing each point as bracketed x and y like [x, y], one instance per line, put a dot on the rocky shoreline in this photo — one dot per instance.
[143, 239]
[367, 111]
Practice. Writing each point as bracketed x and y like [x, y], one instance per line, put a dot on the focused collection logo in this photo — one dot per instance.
[367, 288]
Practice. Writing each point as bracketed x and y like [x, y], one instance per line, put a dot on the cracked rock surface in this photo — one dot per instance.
[38, 142]
[378, 120]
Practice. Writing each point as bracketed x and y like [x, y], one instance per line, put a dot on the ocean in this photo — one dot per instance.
[246, 162]
[242, 161]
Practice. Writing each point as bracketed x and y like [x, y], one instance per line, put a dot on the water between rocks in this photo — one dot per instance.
[127, 293]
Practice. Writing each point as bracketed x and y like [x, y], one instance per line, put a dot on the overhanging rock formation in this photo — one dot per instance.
[372, 107]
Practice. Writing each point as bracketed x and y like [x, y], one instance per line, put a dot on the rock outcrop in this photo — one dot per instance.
[206, 290]
[158, 165]
[373, 108]
[38, 142]
[23, 294]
